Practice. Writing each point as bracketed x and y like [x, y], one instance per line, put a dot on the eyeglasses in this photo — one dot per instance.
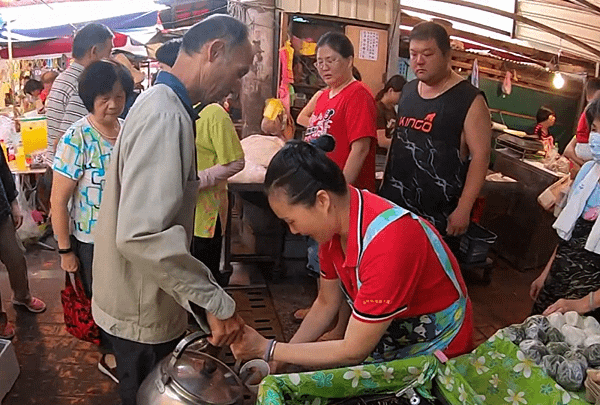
[327, 62]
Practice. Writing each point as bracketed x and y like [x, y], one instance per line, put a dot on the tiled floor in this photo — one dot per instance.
[57, 369]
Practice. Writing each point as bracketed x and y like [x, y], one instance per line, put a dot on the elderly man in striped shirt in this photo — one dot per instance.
[63, 106]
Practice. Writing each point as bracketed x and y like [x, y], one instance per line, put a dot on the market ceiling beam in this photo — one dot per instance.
[587, 4]
[527, 21]
[528, 51]
[459, 20]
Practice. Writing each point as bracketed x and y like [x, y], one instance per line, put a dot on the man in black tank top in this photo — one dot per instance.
[440, 153]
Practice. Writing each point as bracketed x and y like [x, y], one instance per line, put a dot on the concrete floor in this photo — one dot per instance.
[57, 369]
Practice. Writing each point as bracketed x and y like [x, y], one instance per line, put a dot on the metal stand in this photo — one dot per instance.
[486, 266]
[229, 257]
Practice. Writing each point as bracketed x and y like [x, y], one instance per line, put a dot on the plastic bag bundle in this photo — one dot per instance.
[591, 340]
[534, 331]
[556, 320]
[554, 335]
[557, 348]
[592, 355]
[539, 320]
[591, 323]
[574, 319]
[592, 337]
[577, 355]
[570, 375]
[515, 334]
[573, 336]
[258, 151]
[534, 350]
[550, 364]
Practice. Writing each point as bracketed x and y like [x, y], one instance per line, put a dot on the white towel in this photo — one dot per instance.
[565, 222]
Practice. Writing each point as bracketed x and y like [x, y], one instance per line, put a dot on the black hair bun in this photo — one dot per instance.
[325, 142]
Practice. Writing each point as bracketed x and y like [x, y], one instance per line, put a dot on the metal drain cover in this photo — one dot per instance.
[255, 306]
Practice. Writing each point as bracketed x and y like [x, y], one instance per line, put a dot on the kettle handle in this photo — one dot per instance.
[179, 349]
[185, 342]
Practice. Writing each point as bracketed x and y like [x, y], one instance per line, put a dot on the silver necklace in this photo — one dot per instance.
[442, 88]
[110, 138]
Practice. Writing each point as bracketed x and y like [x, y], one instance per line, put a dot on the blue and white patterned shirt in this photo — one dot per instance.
[83, 155]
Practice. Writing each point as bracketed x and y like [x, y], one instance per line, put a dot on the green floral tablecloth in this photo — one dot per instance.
[499, 373]
[496, 372]
[317, 388]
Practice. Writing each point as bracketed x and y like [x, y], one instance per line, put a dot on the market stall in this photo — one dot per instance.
[524, 229]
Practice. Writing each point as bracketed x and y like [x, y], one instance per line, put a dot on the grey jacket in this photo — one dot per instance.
[144, 275]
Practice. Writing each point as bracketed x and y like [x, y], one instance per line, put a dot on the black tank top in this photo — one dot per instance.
[424, 171]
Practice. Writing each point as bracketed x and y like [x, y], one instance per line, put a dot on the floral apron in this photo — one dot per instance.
[420, 335]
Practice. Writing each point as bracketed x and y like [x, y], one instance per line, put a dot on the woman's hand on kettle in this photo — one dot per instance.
[251, 346]
[224, 332]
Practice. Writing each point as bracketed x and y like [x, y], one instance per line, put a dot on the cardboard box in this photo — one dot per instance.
[9, 367]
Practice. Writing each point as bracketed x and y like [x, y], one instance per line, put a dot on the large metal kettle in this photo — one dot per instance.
[188, 376]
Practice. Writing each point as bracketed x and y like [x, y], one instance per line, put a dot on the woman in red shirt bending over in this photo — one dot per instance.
[404, 286]
[347, 111]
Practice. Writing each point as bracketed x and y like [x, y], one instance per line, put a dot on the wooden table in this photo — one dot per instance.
[525, 234]
[21, 175]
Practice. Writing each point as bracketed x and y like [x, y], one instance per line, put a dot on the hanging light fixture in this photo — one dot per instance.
[558, 80]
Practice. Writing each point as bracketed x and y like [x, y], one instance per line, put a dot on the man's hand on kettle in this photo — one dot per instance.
[252, 345]
[224, 332]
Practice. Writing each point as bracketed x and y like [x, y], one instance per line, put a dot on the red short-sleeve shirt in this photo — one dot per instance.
[583, 132]
[348, 116]
[400, 272]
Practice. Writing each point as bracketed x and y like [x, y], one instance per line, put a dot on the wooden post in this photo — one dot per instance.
[257, 85]
[394, 45]
[11, 72]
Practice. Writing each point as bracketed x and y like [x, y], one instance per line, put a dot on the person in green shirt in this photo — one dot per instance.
[219, 155]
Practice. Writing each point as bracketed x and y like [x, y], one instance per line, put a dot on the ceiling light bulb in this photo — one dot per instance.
[558, 80]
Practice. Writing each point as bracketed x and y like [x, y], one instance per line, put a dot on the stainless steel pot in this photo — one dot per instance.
[191, 377]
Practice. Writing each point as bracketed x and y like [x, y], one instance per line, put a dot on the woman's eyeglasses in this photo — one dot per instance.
[320, 64]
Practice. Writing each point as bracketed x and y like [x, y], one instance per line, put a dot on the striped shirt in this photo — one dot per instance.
[63, 107]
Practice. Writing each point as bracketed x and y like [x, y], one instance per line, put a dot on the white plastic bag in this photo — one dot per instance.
[29, 229]
[7, 130]
[258, 152]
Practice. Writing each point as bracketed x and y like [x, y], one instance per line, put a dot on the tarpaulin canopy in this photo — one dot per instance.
[57, 20]
[52, 47]
[48, 29]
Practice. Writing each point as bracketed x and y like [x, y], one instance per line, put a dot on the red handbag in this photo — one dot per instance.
[77, 309]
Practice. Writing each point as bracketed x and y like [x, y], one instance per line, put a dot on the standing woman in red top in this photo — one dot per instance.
[404, 286]
[345, 110]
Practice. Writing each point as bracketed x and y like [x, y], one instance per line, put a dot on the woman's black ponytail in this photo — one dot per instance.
[395, 82]
[302, 169]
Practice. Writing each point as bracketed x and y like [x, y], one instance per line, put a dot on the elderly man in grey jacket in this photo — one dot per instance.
[145, 278]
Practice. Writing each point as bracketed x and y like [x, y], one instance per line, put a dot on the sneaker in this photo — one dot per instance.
[34, 305]
[108, 370]
[7, 331]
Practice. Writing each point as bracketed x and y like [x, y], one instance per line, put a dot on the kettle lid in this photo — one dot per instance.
[206, 378]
